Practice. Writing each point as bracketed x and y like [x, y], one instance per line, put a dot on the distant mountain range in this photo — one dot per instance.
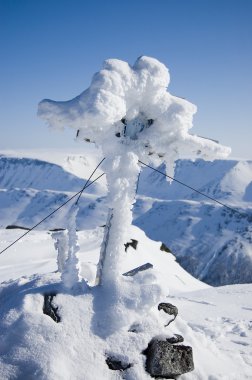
[210, 241]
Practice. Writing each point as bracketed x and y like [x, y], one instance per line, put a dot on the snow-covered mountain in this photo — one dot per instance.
[211, 242]
[226, 180]
[214, 321]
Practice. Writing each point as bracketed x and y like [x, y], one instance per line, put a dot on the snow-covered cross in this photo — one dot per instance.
[129, 113]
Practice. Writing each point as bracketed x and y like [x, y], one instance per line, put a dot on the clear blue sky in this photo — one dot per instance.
[51, 48]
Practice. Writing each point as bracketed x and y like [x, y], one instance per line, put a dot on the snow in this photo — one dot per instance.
[70, 274]
[216, 322]
[156, 121]
[61, 245]
[122, 175]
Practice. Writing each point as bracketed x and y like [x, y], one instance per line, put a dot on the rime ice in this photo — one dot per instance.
[129, 113]
[157, 123]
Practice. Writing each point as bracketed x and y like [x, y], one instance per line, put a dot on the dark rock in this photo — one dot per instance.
[50, 309]
[150, 122]
[165, 248]
[117, 365]
[138, 269]
[57, 229]
[169, 309]
[175, 339]
[133, 243]
[165, 360]
[13, 227]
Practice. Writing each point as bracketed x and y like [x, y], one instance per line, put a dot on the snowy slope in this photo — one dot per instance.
[215, 322]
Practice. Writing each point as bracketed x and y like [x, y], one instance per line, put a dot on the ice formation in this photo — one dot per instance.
[131, 104]
[129, 113]
[61, 246]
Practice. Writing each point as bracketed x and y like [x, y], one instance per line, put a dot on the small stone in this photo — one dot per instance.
[168, 361]
[175, 339]
[135, 328]
[165, 248]
[117, 365]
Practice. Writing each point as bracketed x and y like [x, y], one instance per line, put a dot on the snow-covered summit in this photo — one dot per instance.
[33, 345]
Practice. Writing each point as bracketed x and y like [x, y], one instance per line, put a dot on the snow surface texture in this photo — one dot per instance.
[216, 322]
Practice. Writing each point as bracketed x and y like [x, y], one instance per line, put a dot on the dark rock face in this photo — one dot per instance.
[168, 361]
[117, 365]
[50, 309]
